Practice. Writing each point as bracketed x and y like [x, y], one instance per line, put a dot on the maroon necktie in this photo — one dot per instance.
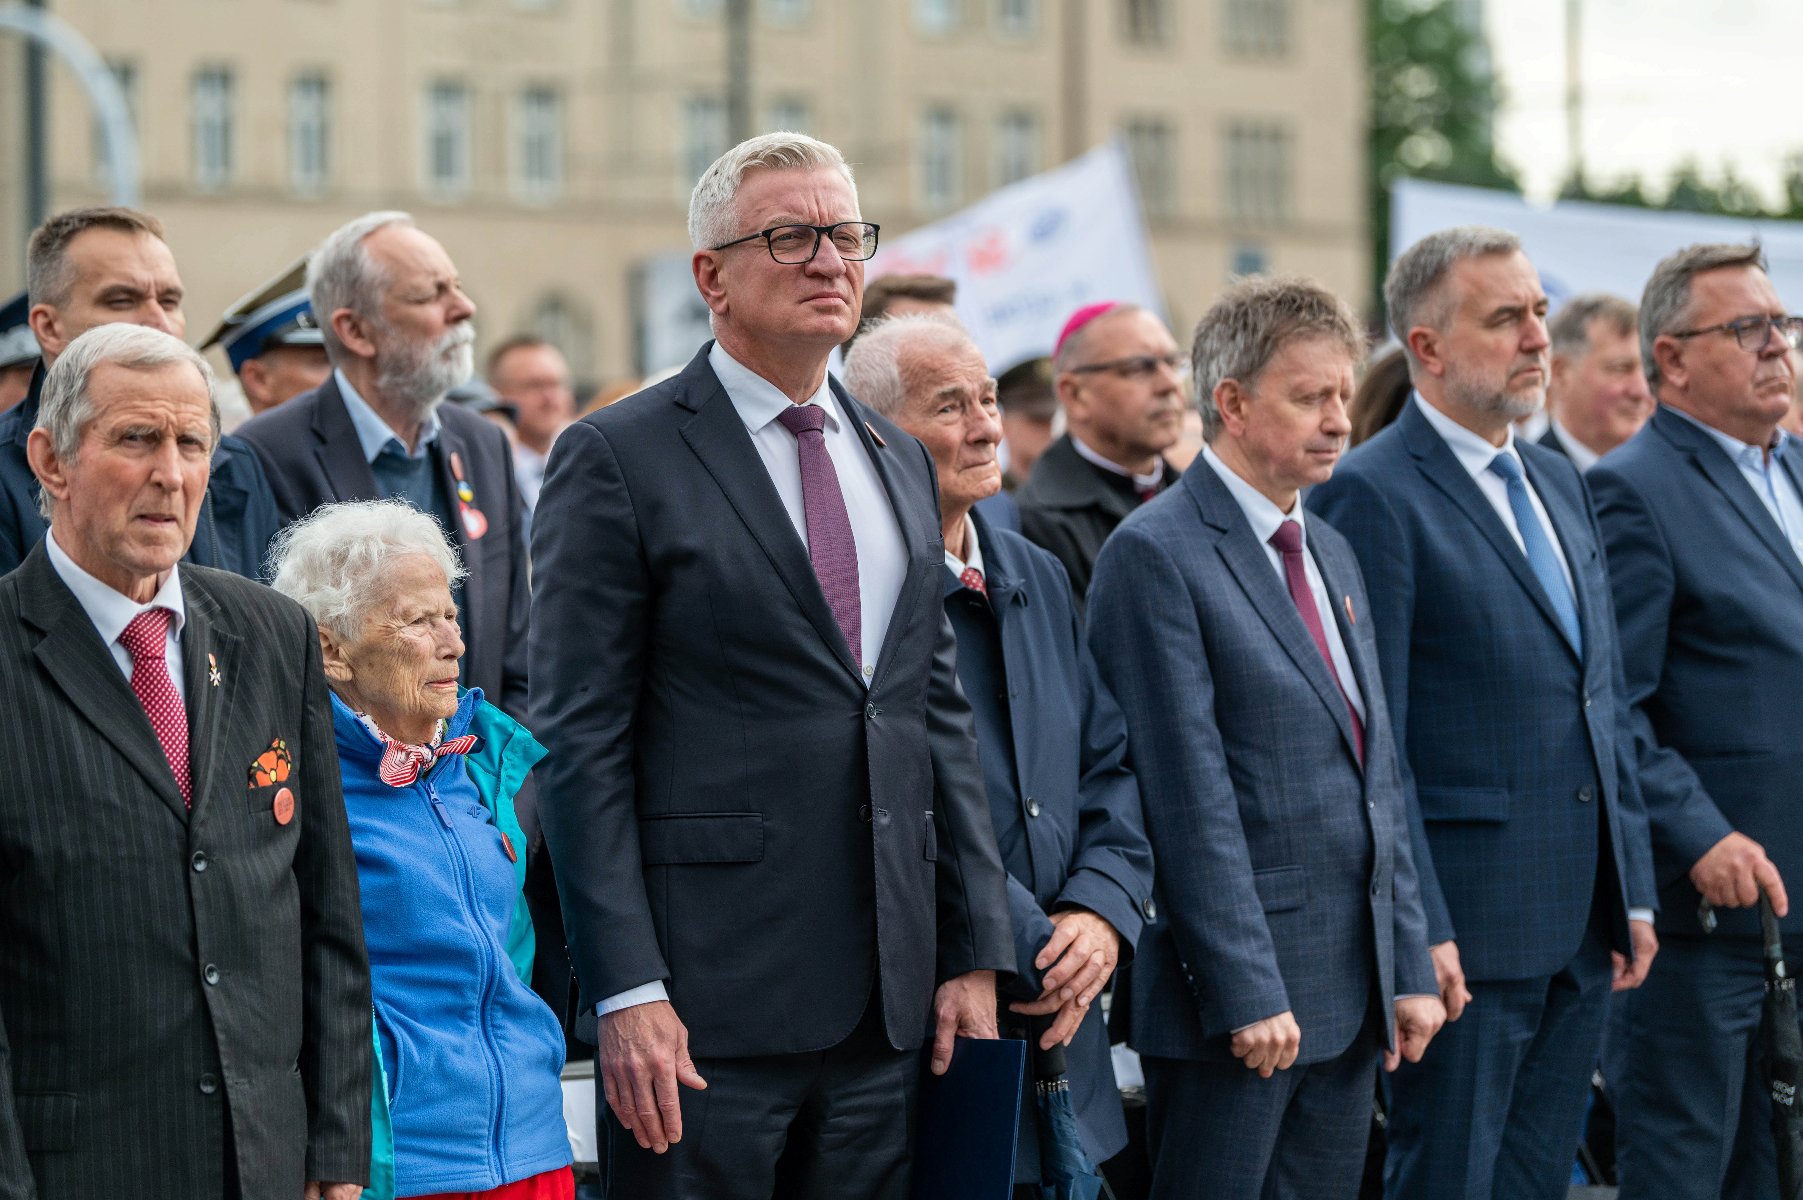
[1288, 540]
[146, 640]
[831, 547]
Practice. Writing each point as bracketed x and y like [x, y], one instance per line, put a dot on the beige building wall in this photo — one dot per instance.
[631, 77]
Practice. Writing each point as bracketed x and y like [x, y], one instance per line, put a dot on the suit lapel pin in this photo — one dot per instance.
[475, 524]
[1350, 618]
[213, 671]
[875, 436]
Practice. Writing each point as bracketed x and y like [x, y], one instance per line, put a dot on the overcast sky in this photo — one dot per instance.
[1664, 80]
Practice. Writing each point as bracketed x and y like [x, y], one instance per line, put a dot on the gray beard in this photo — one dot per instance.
[1512, 406]
[419, 385]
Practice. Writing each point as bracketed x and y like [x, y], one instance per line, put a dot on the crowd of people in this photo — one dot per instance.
[778, 726]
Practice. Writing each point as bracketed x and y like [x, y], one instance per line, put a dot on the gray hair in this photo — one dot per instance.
[1570, 327]
[875, 369]
[1255, 318]
[331, 562]
[1414, 291]
[67, 405]
[342, 274]
[1665, 304]
[712, 219]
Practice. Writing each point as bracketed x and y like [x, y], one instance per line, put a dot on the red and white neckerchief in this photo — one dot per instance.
[403, 764]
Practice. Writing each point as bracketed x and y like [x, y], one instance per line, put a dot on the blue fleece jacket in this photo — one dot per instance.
[471, 1054]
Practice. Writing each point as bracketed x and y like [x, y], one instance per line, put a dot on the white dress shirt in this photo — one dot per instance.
[1142, 482]
[1474, 453]
[973, 553]
[882, 555]
[1265, 518]
[1582, 456]
[1765, 474]
[111, 611]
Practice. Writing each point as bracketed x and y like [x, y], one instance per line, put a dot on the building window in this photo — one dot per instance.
[791, 113]
[309, 132]
[941, 159]
[1249, 258]
[1153, 148]
[1258, 172]
[125, 74]
[538, 144]
[1017, 18]
[1146, 22]
[448, 138]
[1257, 28]
[1016, 147]
[787, 12]
[702, 9]
[936, 17]
[566, 324]
[703, 137]
[213, 127]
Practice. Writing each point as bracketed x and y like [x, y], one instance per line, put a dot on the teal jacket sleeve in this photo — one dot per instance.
[505, 753]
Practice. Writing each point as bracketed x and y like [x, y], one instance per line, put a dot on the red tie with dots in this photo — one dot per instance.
[146, 640]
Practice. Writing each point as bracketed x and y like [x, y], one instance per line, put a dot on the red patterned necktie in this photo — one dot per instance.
[831, 546]
[146, 640]
[402, 764]
[972, 578]
[1288, 540]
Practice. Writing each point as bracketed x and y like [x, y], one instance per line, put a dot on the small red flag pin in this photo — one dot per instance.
[1350, 618]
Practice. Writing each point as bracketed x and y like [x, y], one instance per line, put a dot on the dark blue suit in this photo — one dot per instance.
[1529, 831]
[1062, 798]
[1285, 878]
[1710, 601]
[237, 519]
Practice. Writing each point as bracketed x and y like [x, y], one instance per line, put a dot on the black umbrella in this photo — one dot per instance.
[1781, 1055]
[1065, 1169]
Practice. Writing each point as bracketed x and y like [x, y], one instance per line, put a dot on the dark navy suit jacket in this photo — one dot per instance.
[237, 519]
[1061, 795]
[1285, 878]
[1517, 752]
[1710, 601]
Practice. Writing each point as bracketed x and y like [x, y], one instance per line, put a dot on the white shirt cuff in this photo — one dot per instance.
[1641, 914]
[645, 993]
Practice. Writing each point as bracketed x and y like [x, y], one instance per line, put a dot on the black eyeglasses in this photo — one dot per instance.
[1139, 366]
[1754, 334]
[793, 245]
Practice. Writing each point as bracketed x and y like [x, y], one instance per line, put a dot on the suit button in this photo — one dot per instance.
[211, 975]
[199, 860]
[1585, 794]
[1586, 699]
[870, 711]
[208, 1085]
[1376, 890]
[1149, 908]
[864, 813]
[1032, 807]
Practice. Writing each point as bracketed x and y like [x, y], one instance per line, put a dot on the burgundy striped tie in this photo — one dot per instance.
[831, 547]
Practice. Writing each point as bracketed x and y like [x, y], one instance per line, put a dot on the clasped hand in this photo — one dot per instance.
[1077, 960]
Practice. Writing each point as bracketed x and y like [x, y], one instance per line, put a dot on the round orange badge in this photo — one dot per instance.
[284, 807]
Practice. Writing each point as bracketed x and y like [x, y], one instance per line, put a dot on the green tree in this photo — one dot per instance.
[1432, 103]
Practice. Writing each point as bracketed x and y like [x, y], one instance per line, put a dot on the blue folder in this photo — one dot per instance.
[968, 1121]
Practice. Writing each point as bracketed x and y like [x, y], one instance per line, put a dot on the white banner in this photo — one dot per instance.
[1029, 255]
[1581, 247]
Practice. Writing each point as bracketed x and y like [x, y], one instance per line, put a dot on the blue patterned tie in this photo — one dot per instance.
[1541, 556]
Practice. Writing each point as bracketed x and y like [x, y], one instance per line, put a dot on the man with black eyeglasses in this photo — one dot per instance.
[1121, 378]
[1702, 518]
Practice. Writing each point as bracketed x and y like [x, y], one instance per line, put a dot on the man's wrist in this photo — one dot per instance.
[645, 993]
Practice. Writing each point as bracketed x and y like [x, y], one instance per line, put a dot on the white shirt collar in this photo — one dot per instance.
[757, 400]
[1474, 451]
[1264, 516]
[373, 433]
[1113, 468]
[973, 553]
[1582, 456]
[1743, 453]
[111, 610]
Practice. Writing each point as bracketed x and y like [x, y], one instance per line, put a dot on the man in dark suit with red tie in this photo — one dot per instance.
[184, 996]
[763, 796]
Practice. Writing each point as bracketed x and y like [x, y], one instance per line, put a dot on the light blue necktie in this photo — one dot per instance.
[1541, 556]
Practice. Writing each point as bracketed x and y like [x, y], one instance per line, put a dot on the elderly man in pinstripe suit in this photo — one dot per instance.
[184, 996]
[1290, 949]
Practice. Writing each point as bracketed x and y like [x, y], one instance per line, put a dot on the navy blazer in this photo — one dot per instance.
[728, 806]
[310, 450]
[237, 518]
[1062, 798]
[1285, 876]
[1510, 741]
[1707, 594]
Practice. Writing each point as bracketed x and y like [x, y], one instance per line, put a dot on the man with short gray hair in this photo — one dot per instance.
[763, 796]
[1496, 635]
[1290, 950]
[1702, 514]
[1597, 396]
[396, 324]
[184, 1004]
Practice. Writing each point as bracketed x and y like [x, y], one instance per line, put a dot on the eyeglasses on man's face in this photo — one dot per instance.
[1138, 366]
[793, 245]
[1754, 334]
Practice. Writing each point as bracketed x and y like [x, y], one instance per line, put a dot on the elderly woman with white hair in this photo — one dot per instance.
[471, 1057]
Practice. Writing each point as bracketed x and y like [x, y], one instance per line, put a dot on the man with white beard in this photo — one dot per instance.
[397, 328]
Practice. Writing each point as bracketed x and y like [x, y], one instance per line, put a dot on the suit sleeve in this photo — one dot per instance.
[336, 1059]
[1684, 821]
[588, 650]
[1382, 547]
[1147, 637]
